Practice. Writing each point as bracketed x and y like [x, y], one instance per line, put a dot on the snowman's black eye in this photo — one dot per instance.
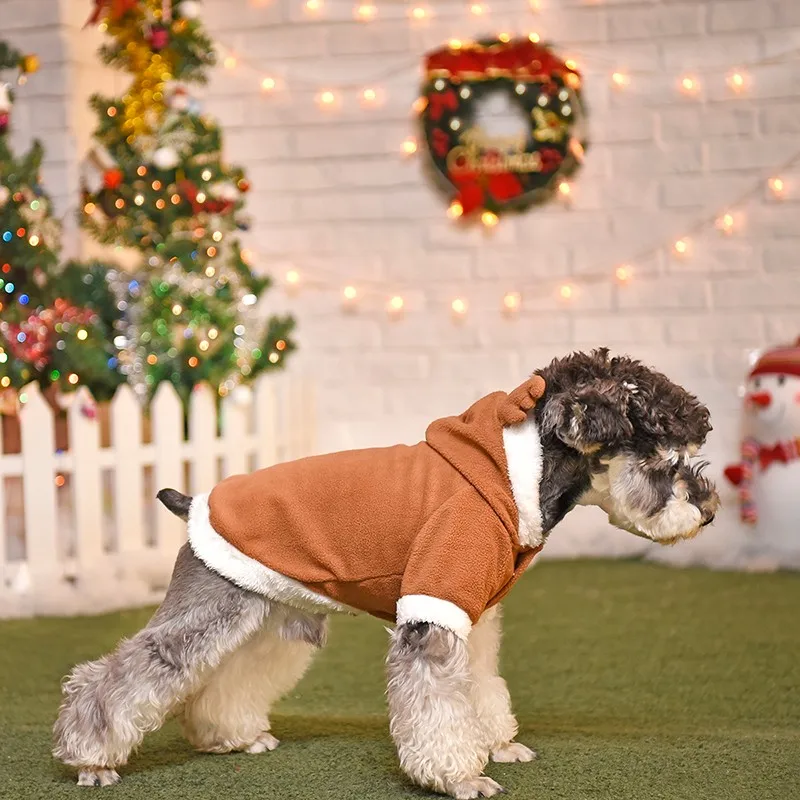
[781, 380]
[757, 383]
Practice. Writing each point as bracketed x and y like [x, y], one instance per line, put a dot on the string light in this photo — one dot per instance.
[571, 63]
[350, 293]
[418, 13]
[726, 222]
[736, 81]
[681, 247]
[777, 187]
[369, 97]
[73, 378]
[267, 84]
[230, 62]
[274, 358]
[455, 44]
[455, 210]
[396, 304]
[313, 6]
[689, 85]
[564, 189]
[410, 146]
[534, 37]
[459, 306]
[623, 273]
[619, 79]
[326, 98]
[477, 9]
[504, 37]
[293, 277]
[566, 292]
[489, 219]
[512, 301]
[366, 12]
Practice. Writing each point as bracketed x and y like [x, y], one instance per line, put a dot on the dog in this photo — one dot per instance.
[480, 497]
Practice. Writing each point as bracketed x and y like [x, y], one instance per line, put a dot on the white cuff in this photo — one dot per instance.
[422, 608]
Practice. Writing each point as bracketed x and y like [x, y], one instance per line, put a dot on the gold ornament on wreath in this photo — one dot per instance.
[480, 171]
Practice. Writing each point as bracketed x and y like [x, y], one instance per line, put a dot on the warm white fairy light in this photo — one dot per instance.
[619, 79]
[681, 247]
[512, 301]
[459, 306]
[566, 292]
[410, 146]
[623, 273]
[369, 97]
[267, 84]
[504, 37]
[489, 219]
[293, 277]
[726, 222]
[477, 9]
[350, 293]
[737, 81]
[313, 6]
[418, 13]
[366, 12]
[690, 85]
[534, 37]
[564, 189]
[139, 199]
[777, 186]
[571, 63]
[455, 210]
[396, 304]
[455, 44]
[230, 62]
[326, 98]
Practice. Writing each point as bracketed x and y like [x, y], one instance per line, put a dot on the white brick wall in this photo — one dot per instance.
[333, 193]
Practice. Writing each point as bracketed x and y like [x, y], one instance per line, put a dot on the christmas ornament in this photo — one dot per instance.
[189, 9]
[112, 179]
[158, 37]
[768, 475]
[474, 84]
[29, 64]
[166, 158]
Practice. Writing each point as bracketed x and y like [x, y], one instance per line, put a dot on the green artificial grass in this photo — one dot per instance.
[631, 680]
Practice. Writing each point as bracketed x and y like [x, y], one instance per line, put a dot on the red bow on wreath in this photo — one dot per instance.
[190, 192]
[473, 187]
[116, 9]
[437, 103]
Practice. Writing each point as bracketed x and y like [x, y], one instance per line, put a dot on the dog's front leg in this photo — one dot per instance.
[439, 738]
[489, 691]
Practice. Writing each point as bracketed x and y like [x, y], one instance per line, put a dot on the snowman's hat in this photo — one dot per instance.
[783, 360]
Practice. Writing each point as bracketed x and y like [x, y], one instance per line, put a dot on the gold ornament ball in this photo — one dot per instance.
[179, 26]
[29, 63]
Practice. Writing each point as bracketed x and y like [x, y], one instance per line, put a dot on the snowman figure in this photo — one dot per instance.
[768, 476]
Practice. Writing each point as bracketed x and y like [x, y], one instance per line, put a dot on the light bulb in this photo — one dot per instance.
[396, 304]
[313, 6]
[689, 85]
[418, 13]
[726, 222]
[512, 301]
[350, 293]
[681, 247]
[410, 146]
[619, 79]
[230, 62]
[777, 186]
[267, 84]
[459, 306]
[369, 97]
[455, 210]
[419, 105]
[623, 273]
[477, 9]
[504, 37]
[366, 12]
[455, 44]
[293, 277]
[564, 189]
[571, 63]
[534, 37]
[489, 219]
[566, 291]
[326, 98]
[736, 81]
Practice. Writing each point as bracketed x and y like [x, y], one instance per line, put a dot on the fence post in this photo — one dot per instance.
[87, 488]
[266, 422]
[167, 416]
[42, 550]
[234, 430]
[202, 437]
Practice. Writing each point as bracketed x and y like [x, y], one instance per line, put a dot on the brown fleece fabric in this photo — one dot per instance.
[367, 527]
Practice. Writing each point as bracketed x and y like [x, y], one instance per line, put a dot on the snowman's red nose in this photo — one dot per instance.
[761, 399]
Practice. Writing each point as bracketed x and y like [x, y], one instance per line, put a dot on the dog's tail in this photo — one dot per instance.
[179, 504]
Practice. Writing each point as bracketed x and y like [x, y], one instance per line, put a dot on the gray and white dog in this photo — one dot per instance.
[610, 432]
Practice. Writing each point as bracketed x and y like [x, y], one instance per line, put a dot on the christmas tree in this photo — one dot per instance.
[161, 185]
[49, 330]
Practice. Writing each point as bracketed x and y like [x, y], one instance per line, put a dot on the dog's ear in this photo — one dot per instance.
[591, 417]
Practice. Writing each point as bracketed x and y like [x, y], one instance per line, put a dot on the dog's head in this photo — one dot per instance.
[621, 436]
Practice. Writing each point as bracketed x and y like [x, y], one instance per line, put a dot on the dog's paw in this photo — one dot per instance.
[266, 741]
[475, 787]
[513, 753]
[97, 776]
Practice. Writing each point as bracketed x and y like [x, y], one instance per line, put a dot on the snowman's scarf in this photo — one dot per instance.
[747, 505]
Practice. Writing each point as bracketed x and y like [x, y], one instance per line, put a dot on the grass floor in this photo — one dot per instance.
[631, 680]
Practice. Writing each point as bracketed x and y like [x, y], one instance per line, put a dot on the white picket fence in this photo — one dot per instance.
[81, 531]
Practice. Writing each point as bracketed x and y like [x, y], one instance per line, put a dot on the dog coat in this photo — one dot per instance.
[435, 532]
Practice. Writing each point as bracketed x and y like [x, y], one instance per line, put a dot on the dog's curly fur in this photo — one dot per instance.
[613, 433]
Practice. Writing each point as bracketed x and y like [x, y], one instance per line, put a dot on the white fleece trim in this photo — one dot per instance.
[223, 558]
[524, 456]
[423, 608]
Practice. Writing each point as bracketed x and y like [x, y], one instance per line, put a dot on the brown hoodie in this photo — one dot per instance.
[400, 532]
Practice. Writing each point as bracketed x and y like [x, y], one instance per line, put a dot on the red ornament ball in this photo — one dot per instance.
[158, 38]
[5, 119]
[244, 185]
[112, 179]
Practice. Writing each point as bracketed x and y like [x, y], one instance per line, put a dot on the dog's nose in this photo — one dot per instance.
[760, 399]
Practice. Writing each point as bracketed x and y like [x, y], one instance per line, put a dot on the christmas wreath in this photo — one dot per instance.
[482, 172]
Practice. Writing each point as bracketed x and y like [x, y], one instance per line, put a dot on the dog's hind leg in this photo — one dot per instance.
[489, 692]
[231, 710]
[111, 703]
